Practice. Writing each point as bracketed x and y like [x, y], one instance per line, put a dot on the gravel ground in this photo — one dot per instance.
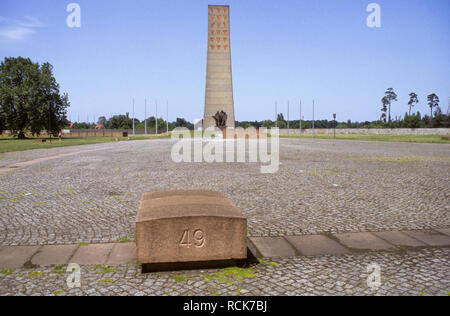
[322, 186]
[424, 272]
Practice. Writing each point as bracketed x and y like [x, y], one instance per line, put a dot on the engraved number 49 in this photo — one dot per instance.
[197, 238]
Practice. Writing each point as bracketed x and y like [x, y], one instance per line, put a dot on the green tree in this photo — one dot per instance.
[267, 124]
[2, 121]
[412, 121]
[82, 125]
[120, 122]
[413, 100]
[391, 96]
[30, 97]
[103, 121]
[181, 122]
[385, 103]
[433, 101]
[280, 118]
[281, 124]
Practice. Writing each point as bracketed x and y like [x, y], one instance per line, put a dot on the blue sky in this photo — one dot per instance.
[281, 50]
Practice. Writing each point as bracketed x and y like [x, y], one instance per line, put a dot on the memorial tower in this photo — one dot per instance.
[219, 86]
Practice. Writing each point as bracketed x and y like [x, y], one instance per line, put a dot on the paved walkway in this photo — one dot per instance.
[322, 187]
[13, 257]
[27, 163]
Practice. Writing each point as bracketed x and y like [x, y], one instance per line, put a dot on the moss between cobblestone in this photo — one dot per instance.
[268, 263]
[107, 281]
[179, 278]
[58, 269]
[99, 269]
[231, 275]
[7, 271]
[123, 239]
[35, 274]
[57, 292]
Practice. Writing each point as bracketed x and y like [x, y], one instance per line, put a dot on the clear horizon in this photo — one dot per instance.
[289, 51]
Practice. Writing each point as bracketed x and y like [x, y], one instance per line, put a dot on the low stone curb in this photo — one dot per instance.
[14, 257]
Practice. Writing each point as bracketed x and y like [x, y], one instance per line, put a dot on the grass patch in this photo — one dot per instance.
[402, 159]
[179, 278]
[10, 144]
[57, 292]
[436, 139]
[7, 271]
[106, 281]
[123, 240]
[231, 275]
[268, 263]
[102, 269]
[83, 244]
[35, 274]
[58, 269]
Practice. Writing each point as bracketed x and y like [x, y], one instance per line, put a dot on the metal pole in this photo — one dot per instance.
[133, 118]
[167, 118]
[334, 125]
[448, 109]
[156, 117]
[145, 117]
[50, 121]
[300, 117]
[276, 115]
[288, 119]
[313, 121]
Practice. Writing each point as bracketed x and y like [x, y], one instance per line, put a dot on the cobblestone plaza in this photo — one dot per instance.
[90, 195]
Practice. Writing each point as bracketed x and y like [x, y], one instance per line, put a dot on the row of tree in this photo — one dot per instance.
[414, 120]
[30, 99]
[390, 96]
[410, 120]
[125, 122]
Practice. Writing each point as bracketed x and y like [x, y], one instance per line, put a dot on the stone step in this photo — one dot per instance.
[14, 257]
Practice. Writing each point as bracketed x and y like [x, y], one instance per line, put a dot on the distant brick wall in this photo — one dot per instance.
[92, 132]
[372, 131]
[100, 132]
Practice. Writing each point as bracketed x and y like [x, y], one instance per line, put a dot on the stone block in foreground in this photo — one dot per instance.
[186, 229]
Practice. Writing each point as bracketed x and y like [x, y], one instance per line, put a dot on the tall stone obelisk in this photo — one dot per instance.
[219, 86]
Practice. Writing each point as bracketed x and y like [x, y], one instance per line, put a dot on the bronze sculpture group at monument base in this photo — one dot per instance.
[221, 119]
